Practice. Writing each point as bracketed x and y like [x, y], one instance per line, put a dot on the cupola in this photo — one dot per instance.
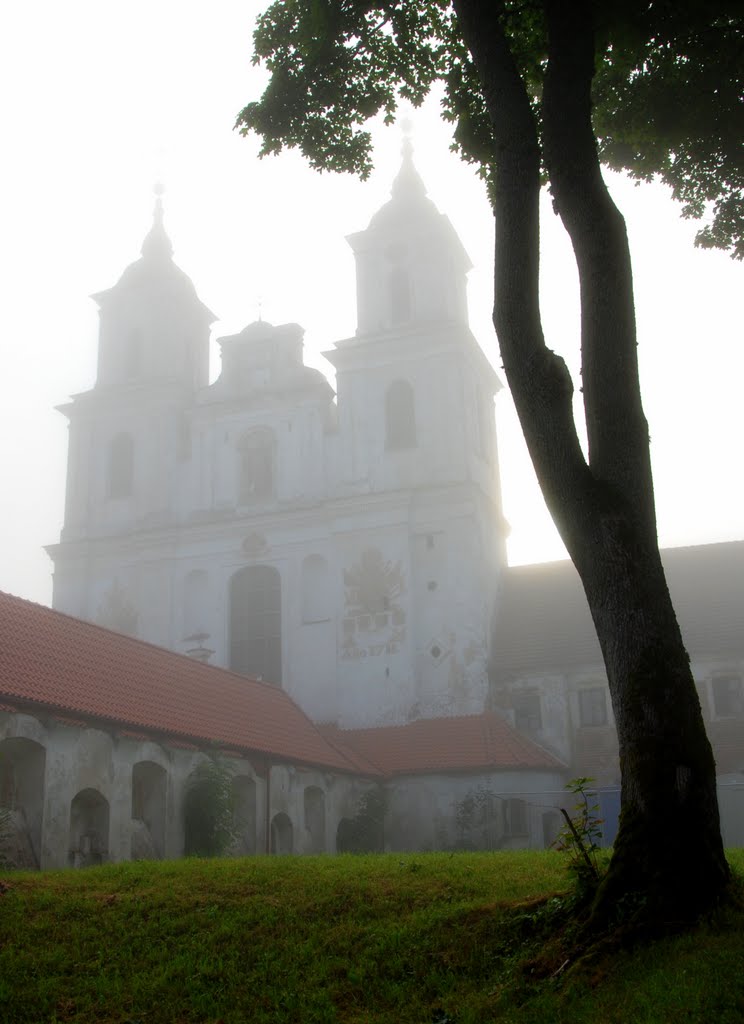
[153, 326]
[411, 266]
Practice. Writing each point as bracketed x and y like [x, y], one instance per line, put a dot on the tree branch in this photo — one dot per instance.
[616, 425]
[538, 379]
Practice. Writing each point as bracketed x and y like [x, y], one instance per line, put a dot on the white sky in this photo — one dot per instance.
[101, 99]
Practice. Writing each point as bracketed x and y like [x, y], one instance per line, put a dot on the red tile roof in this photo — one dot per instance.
[64, 664]
[432, 745]
[81, 671]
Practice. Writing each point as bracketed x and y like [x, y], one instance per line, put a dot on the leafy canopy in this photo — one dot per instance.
[668, 88]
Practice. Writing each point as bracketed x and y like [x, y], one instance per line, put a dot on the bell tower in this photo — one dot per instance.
[153, 327]
[130, 436]
[418, 467]
[411, 266]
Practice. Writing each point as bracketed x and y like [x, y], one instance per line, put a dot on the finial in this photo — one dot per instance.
[260, 305]
[408, 183]
[156, 241]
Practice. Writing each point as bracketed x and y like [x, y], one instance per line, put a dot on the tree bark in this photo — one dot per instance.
[668, 854]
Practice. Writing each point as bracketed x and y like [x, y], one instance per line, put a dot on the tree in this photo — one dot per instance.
[520, 80]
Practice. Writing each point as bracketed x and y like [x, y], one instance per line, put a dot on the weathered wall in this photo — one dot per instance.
[497, 810]
[82, 795]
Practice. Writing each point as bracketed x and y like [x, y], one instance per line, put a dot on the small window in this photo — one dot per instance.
[593, 707]
[515, 818]
[400, 417]
[527, 716]
[255, 467]
[728, 700]
[120, 468]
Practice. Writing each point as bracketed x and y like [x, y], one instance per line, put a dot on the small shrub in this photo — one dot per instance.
[580, 836]
[477, 820]
[208, 809]
[365, 832]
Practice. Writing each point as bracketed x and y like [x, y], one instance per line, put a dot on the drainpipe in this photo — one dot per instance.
[268, 809]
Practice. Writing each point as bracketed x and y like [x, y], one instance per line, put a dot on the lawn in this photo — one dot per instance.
[379, 939]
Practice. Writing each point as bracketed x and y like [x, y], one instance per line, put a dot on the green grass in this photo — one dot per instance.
[384, 939]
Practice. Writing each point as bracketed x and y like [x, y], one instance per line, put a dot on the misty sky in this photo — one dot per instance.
[100, 100]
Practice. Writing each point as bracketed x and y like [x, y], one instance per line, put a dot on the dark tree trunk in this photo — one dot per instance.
[669, 848]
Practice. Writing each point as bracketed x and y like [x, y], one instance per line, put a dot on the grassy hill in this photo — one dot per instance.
[388, 939]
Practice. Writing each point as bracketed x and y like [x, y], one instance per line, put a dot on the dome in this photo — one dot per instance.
[154, 274]
[409, 201]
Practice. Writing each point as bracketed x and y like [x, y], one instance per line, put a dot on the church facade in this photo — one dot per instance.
[347, 547]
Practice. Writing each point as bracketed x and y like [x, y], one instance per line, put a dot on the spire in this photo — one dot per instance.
[157, 244]
[408, 183]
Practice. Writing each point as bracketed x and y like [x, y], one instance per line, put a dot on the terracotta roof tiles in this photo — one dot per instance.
[47, 658]
[81, 671]
[433, 745]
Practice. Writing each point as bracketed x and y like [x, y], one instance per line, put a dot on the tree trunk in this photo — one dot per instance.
[668, 851]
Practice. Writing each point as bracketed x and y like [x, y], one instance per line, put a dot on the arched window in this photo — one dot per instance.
[120, 467]
[255, 466]
[316, 603]
[400, 416]
[22, 772]
[281, 834]
[256, 623]
[89, 829]
[400, 295]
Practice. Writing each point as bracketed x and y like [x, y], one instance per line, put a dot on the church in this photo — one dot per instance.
[347, 547]
[329, 568]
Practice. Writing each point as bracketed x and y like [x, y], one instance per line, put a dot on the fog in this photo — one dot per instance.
[102, 101]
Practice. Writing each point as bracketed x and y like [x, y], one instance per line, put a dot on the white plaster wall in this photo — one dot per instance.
[376, 683]
[422, 809]
[79, 758]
